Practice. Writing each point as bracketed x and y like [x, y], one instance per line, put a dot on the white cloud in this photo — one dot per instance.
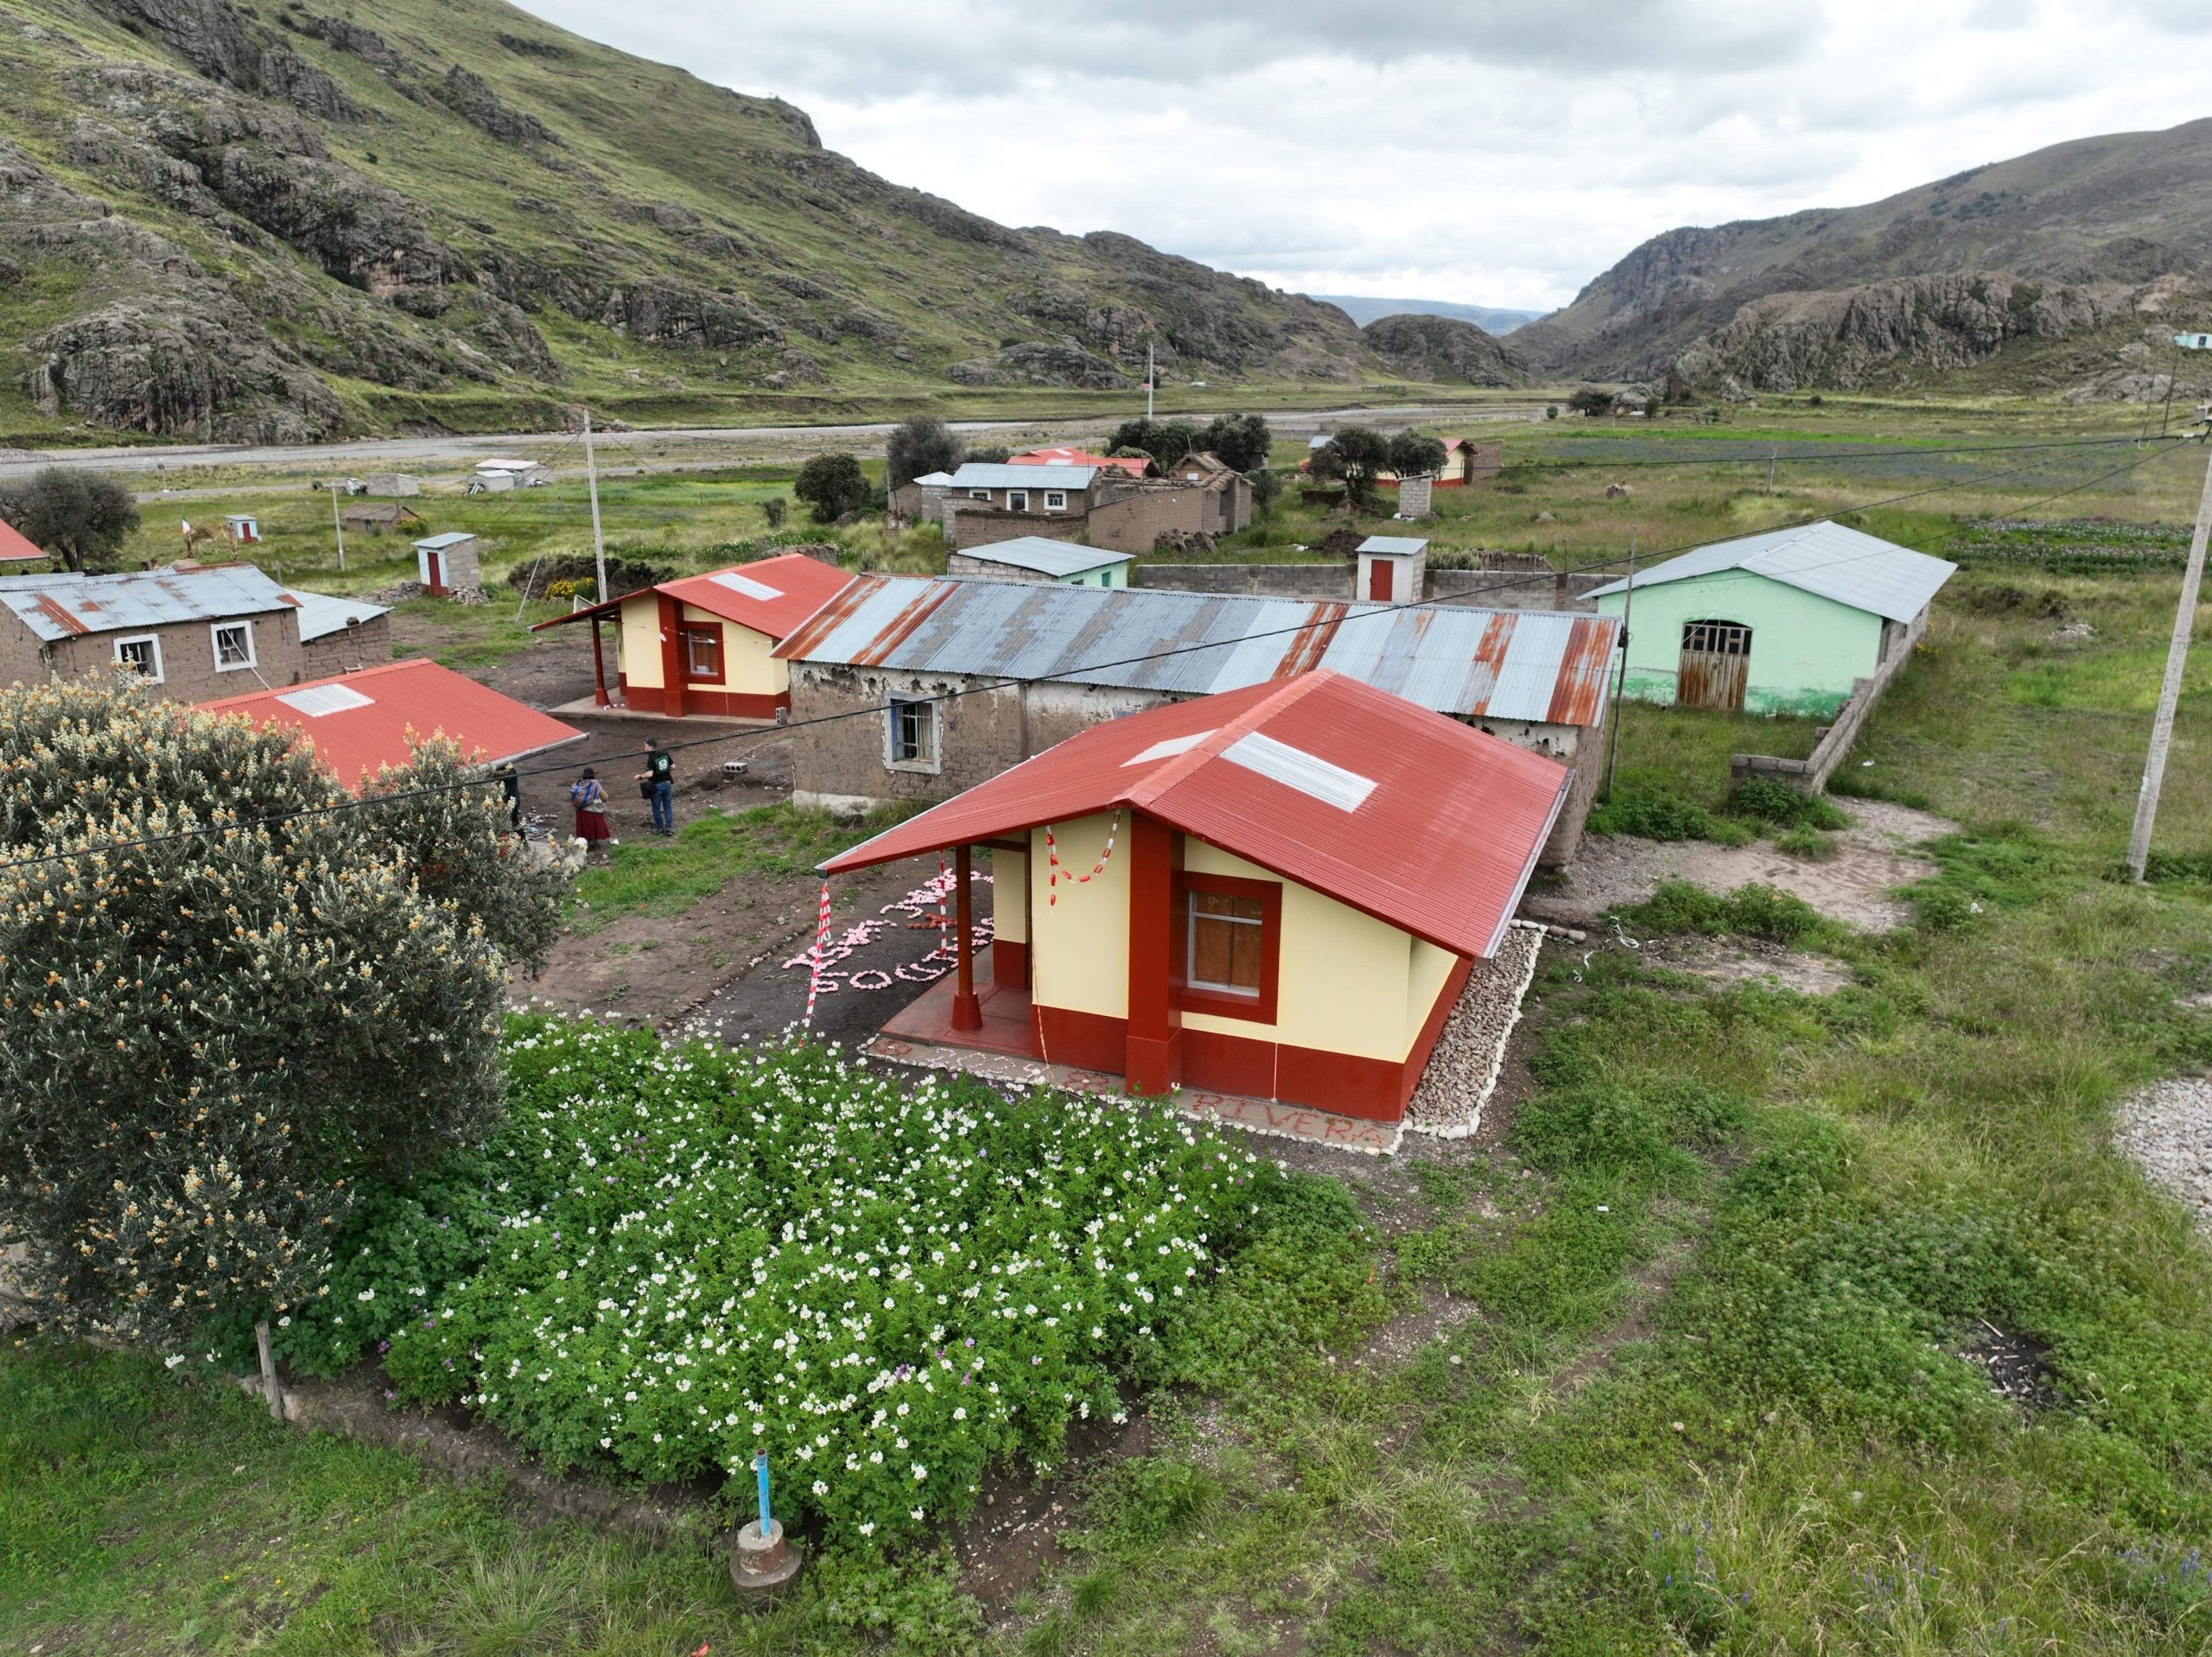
[1498, 151]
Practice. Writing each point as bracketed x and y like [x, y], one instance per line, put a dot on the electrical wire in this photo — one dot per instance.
[766, 733]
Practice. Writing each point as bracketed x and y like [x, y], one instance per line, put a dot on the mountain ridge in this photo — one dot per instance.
[1493, 320]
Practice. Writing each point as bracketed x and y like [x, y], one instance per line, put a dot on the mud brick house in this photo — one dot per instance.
[359, 723]
[375, 517]
[337, 635]
[1032, 558]
[1292, 884]
[190, 633]
[944, 683]
[705, 644]
[1101, 502]
[1786, 622]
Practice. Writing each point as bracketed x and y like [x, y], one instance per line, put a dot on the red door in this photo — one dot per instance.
[1378, 580]
[437, 581]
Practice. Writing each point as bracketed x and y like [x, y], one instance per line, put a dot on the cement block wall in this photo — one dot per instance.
[367, 645]
[1490, 589]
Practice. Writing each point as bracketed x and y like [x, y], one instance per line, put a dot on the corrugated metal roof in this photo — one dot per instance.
[321, 612]
[977, 474]
[64, 606]
[361, 722]
[1529, 664]
[16, 547]
[934, 479]
[1827, 558]
[770, 595]
[1394, 546]
[450, 538]
[1417, 821]
[1045, 557]
[1069, 454]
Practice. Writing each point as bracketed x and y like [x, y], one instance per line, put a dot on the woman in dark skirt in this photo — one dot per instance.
[590, 802]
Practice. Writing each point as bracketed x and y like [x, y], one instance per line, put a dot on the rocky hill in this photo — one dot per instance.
[1443, 349]
[292, 218]
[2103, 242]
[1363, 308]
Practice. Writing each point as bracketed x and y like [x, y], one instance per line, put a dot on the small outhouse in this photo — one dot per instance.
[1392, 568]
[243, 528]
[447, 563]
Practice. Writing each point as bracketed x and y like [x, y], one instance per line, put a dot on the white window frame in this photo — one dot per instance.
[215, 631]
[1017, 500]
[979, 494]
[930, 762]
[152, 675]
[1056, 500]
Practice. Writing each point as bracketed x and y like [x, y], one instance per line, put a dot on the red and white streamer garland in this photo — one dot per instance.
[1052, 862]
[821, 942]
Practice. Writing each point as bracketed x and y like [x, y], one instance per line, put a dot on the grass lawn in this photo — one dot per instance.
[1692, 1364]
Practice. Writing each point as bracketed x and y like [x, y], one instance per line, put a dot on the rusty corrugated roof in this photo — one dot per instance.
[59, 607]
[1524, 664]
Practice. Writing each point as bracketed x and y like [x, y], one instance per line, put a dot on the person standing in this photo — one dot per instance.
[660, 778]
[590, 800]
[510, 781]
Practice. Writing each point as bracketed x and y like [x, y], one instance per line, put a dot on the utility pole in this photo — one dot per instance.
[338, 523]
[1147, 382]
[2162, 724]
[1620, 683]
[1771, 451]
[591, 473]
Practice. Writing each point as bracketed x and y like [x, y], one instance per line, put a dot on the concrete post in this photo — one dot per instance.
[2162, 724]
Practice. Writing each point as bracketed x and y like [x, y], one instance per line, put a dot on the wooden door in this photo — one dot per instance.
[1715, 655]
[1378, 579]
[436, 571]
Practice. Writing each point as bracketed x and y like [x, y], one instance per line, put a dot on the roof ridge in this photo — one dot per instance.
[1281, 694]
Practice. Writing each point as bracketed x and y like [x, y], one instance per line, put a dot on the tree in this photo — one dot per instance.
[990, 454]
[832, 485]
[1588, 400]
[1165, 441]
[918, 447]
[220, 1033]
[81, 518]
[1355, 455]
[1266, 487]
[775, 509]
[1239, 441]
[1415, 454]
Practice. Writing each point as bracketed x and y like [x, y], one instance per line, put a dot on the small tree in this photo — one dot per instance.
[1165, 441]
[1266, 489]
[1588, 400]
[1241, 441]
[81, 518]
[832, 485]
[1415, 454]
[918, 447]
[1356, 454]
[990, 454]
[223, 1026]
[775, 509]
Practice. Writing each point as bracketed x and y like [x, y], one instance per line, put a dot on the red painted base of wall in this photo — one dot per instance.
[1010, 964]
[697, 699]
[1341, 1083]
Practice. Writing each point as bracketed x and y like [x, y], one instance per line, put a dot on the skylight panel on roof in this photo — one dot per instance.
[318, 700]
[1310, 774]
[1167, 749]
[746, 585]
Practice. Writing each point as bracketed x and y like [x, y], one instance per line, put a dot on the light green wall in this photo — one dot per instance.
[1111, 575]
[1805, 650]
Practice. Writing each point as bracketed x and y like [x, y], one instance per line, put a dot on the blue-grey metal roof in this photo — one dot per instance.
[64, 606]
[1538, 665]
[1393, 546]
[450, 538]
[1827, 558]
[978, 474]
[1047, 556]
[323, 613]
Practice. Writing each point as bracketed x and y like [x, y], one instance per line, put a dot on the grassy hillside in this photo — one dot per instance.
[270, 221]
[2099, 236]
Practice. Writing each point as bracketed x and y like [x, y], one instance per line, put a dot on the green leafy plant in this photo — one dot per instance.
[1752, 910]
[832, 485]
[1779, 804]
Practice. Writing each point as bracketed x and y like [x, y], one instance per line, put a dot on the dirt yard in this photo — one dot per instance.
[1873, 856]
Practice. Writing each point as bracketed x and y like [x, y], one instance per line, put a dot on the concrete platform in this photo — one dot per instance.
[586, 707]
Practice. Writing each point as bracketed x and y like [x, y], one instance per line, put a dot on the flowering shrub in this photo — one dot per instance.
[685, 1256]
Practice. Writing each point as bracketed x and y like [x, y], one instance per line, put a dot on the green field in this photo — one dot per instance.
[1679, 1369]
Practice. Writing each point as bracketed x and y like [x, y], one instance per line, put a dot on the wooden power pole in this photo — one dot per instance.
[2162, 723]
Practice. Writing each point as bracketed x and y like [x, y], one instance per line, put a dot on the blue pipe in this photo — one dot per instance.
[760, 1468]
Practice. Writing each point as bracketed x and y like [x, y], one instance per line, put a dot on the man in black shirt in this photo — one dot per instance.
[660, 778]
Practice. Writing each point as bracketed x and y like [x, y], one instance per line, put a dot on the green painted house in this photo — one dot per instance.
[1782, 623]
[1035, 558]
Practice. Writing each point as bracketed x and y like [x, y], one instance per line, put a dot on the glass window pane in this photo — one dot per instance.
[1246, 944]
[1210, 950]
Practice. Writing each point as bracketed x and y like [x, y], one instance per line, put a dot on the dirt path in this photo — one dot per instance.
[1872, 857]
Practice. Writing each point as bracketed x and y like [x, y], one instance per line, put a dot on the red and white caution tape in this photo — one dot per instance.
[1053, 866]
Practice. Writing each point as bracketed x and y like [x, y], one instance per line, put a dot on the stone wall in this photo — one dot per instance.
[1134, 522]
[976, 523]
[1512, 588]
[188, 671]
[366, 645]
[1810, 775]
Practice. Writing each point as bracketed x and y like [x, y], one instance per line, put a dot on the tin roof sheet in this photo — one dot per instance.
[1530, 664]
[977, 474]
[1826, 559]
[360, 722]
[1418, 820]
[1394, 546]
[64, 606]
[322, 612]
[16, 547]
[1069, 454]
[770, 595]
[450, 538]
[1045, 557]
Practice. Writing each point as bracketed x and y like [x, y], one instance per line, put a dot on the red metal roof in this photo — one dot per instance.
[1069, 454]
[1405, 815]
[360, 722]
[16, 547]
[791, 586]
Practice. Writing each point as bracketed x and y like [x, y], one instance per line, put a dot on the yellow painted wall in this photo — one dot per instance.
[640, 636]
[1432, 967]
[748, 669]
[1009, 914]
[1079, 952]
[1345, 978]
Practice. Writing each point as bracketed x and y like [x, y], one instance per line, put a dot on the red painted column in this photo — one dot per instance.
[671, 657]
[598, 668]
[967, 1009]
[1155, 1062]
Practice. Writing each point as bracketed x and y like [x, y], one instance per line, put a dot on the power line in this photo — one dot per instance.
[1003, 683]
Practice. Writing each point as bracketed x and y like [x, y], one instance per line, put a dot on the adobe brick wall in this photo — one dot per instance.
[188, 657]
[1328, 580]
[365, 646]
[1516, 587]
[972, 523]
[1134, 522]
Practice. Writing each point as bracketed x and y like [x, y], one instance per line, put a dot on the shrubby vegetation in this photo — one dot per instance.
[81, 518]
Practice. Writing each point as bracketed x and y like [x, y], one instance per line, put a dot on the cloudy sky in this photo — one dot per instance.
[1501, 152]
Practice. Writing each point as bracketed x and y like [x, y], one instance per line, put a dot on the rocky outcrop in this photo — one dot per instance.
[227, 47]
[1035, 362]
[470, 97]
[1442, 349]
[177, 371]
[669, 313]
